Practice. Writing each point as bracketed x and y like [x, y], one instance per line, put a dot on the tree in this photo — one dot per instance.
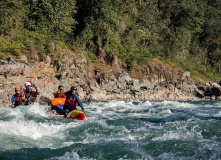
[54, 16]
[12, 13]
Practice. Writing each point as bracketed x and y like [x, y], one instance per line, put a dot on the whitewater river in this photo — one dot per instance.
[114, 130]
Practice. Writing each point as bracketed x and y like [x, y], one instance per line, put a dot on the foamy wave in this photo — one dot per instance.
[218, 114]
[29, 129]
[181, 134]
[70, 156]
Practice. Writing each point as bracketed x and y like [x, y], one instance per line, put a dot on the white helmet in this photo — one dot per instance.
[27, 84]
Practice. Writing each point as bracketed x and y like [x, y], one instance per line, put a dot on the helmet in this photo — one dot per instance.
[73, 88]
[17, 88]
[60, 86]
[30, 82]
[27, 84]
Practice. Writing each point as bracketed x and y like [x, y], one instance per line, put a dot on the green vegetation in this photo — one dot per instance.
[182, 33]
[91, 58]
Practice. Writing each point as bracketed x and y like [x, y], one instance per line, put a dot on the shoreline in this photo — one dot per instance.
[102, 82]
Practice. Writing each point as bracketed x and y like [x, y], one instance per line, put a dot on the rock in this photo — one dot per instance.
[125, 92]
[186, 75]
[207, 85]
[155, 88]
[218, 98]
[134, 85]
[24, 58]
[199, 93]
[47, 61]
[110, 86]
[202, 88]
[143, 88]
[213, 97]
[35, 56]
[219, 82]
[171, 87]
[189, 89]
[167, 92]
[208, 89]
[117, 91]
[94, 87]
[98, 97]
[81, 93]
[98, 82]
[18, 71]
[31, 73]
[121, 85]
[43, 100]
[5, 71]
[128, 80]
[215, 89]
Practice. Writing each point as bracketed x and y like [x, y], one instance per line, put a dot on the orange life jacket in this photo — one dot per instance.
[57, 101]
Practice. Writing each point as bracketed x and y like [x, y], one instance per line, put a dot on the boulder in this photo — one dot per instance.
[117, 91]
[202, 88]
[135, 86]
[213, 97]
[199, 93]
[18, 71]
[44, 100]
[218, 98]
[24, 58]
[215, 89]
[186, 75]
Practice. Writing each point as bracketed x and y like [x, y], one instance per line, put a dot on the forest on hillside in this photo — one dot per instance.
[181, 33]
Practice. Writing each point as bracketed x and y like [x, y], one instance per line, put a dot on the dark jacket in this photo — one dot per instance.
[70, 95]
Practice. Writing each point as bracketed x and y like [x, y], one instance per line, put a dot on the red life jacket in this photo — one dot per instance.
[71, 103]
[17, 100]
[60, 95]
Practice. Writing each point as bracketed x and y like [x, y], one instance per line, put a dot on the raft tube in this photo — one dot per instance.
[76, 114]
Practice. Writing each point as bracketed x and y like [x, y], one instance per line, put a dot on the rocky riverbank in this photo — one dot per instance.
[100, 81]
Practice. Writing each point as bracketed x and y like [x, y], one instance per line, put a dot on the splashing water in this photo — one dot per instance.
[114, 130]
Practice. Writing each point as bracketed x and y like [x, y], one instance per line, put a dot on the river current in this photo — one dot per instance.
[114, 130]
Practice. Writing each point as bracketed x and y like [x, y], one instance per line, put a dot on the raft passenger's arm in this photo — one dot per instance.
[13, 99]
[79, 101]
[37, 91]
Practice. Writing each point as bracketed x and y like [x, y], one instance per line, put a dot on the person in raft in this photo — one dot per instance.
[30, 95]
[17, 97]
[72, 101]
[60, 92]
[29, 98]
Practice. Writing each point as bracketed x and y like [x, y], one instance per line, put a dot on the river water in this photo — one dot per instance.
[114, 130]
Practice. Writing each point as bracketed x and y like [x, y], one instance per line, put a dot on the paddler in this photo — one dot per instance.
[17, 97]
[29, 98]
[29, 94]
[72, 101]
[60, 92]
